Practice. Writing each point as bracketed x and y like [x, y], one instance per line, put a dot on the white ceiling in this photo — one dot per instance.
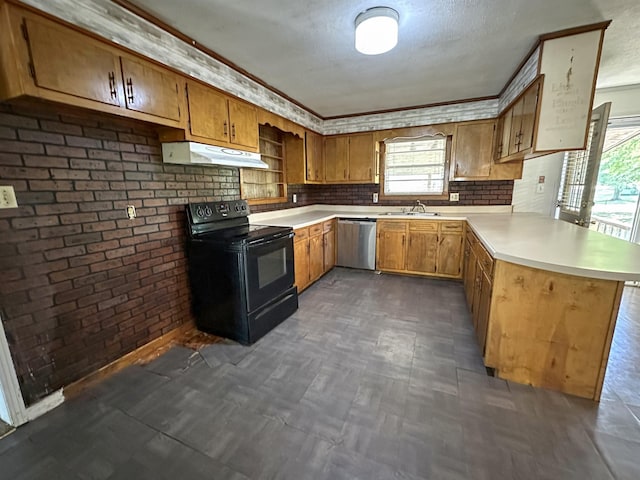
[448, 50]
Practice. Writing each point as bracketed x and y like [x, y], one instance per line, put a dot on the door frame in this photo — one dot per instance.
[16, 408]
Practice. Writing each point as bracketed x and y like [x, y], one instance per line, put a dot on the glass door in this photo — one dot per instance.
[580, 172]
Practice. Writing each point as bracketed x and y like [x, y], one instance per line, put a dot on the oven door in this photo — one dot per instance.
[269, 269]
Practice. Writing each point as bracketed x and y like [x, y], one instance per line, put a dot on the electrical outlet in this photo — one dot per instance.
[454, 197]
[294, 199]
[131, 212]
[375, 198]
[8, 197]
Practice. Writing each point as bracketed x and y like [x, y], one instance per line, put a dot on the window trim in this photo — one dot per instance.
[447, 163]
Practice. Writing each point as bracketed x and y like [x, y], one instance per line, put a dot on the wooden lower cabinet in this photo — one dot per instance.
[314, 252]
[329, 240]
[541, 328]
[421, 247]
[301, 261]
[390, 246]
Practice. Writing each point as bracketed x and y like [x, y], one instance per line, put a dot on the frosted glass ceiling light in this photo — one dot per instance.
[376, 30]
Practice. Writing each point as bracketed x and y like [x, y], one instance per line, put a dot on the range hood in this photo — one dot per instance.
[192, 153]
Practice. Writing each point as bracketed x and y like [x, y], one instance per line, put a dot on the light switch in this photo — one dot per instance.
[540, 188]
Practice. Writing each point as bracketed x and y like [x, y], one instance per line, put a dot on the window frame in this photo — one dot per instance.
[447, 162]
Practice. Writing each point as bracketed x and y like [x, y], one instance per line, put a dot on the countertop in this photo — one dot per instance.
[522, 238]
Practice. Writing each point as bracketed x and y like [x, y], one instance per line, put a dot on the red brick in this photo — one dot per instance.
[74, 197]
[34, 222]
[120, 252]
[94, 299]
[59, 127]
[92, 185]
[82, 239]
[119, 233]
[62, 151]
[106, 265]
[77, 141]
[68, 274]
[87, 259]
[17, 121]
[40, 137]
[69, 174]
[23, 173]
[99, 226]
[51, 185]
[15, 146]
[103, 155]
[65, 252]
[40, 245]
[75, 218]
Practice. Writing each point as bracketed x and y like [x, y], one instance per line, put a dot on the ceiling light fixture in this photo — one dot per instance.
[376, 30]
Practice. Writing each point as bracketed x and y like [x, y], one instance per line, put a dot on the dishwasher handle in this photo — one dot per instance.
[356, 220]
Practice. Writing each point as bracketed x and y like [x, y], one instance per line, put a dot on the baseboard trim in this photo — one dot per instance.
[140, 354]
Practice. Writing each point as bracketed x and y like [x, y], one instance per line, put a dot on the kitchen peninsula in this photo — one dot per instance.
[548, 315]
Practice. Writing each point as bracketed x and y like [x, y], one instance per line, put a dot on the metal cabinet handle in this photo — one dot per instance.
[130, 96]
[224, 128]
[233, 131]
[112, 85]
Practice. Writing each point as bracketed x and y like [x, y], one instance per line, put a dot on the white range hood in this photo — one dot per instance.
[192, 153]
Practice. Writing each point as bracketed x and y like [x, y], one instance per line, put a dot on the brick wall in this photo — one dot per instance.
[496, 192]
[81, 284]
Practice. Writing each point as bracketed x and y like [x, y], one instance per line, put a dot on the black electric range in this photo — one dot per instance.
[241, 275]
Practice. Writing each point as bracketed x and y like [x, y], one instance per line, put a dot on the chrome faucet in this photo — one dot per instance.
[419, 206]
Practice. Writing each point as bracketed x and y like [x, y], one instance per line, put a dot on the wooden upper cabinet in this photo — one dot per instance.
[314, 157]
[48, 60]
[150, 89]
[215, 117]
[528, 119]
[207, 112]
[473, 150]
[361, 158]
[65, 61]
[350, 158]
[336, 159]
[243, 120]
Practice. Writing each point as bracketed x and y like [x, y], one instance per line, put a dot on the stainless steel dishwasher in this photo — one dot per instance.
[357, 243]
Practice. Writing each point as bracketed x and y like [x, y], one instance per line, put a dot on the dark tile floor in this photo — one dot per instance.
[375, 377]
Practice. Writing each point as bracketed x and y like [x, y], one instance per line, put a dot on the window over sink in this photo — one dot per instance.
[416, 167]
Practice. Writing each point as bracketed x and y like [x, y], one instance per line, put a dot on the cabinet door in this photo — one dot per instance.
[473, 150]
[361, 158]
[207, 113]
[68, 62]
[301, 263]
[516, 126]
[450, 254]
[244, 124]
[484, 306]
[475, 304]
[316, 257]
[314, 157]
[469, 272]
[336, 165]
[390, 249]
[422, 252]
[505, 133]
[529, 105]
[329, 250]
[150, 89]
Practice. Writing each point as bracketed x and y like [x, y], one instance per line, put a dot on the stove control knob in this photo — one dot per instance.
[200, 212]
[207, 212]
[237, 208]
[244, 207]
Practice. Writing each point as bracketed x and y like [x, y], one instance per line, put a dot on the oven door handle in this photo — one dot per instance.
[261, 242]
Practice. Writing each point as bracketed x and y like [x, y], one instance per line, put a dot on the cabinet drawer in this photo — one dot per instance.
[328, 226]
[315, 229]
[485, 260]
[422, 226]
[391, 225]
[300, 234]
[451, 227]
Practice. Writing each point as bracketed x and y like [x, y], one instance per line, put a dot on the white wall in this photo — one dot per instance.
[4, 409]
[525, 196]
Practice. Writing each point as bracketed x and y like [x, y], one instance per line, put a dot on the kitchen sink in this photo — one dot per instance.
[415, 214]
